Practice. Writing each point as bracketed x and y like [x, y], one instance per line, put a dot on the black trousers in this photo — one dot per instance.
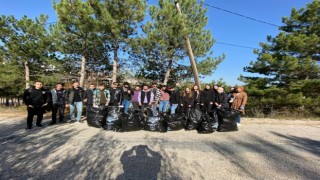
[135, 105]
[144, 106]
[57, 109]
[32, 111]
[197, 106]
[207, 107]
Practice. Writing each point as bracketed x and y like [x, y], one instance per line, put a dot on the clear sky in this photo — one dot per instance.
[225, 27]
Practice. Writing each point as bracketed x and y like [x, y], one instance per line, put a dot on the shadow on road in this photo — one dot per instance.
[140, 162]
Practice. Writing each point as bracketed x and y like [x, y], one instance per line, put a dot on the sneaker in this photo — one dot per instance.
[28, 128]
[238, 124]
[39, 125]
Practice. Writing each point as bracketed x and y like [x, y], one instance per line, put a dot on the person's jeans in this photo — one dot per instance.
[79, 106]
[163, 106]
[238, 119]
[173, 108]
[126, 104]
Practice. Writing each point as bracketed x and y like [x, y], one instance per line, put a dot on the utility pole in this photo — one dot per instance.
[190, 53]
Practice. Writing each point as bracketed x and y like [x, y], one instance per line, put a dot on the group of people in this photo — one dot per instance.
[165, 99]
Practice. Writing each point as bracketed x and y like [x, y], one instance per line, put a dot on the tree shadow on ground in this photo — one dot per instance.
[277, 160]
[140, 162]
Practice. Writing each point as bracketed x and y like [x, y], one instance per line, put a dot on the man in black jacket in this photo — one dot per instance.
[88, 96]
[115, 95]
[58, 103]
[35, 98]
[174, 99]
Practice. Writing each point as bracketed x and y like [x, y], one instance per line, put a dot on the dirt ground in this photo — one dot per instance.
[261, 149]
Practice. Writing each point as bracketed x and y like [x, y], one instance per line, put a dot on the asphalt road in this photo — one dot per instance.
[261, 149]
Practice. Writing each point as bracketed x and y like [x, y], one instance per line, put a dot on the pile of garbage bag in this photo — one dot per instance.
[113, 118]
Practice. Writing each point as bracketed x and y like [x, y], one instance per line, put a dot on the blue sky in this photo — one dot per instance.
[225, 27]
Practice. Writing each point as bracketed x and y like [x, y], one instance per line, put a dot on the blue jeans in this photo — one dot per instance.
[173, 108]
[163, 106]
[126, 104]
[238, 119]
[79, 106]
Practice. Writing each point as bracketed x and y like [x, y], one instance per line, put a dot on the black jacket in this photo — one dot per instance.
[125, 94]
[174, 97]
[36, 97]
[187, 100]
[88, 94]
[197, 96]
[207, 96]
[115, 95]
[222, 99]
[70, 95]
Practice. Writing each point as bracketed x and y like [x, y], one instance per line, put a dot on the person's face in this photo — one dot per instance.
[171, 89]
[164, 88]
[195, 87]
[187, 90]
[154, 86]
[92, 87]
[207, 87]
[38, 85]
[126, 86]
[114, 85]
[239, 89]
[137, 88]
[220, 91]
[101, 88]
[145, 88]
[231, 89]
[216, 87]
[58, 87]
[76, 85]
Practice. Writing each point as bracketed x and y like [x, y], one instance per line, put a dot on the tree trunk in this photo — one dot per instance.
[190, 53]
[7, 101]
[27, 74]
[166, 77]
[115, 62]
[82, 71]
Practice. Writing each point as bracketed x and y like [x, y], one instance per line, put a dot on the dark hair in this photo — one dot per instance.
[38, 81]
[75, 82]
[60, 83]
[115, 83]
[101, 84]
[125, 83]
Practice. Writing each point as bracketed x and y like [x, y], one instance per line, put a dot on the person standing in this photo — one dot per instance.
[221, 99]
[127, 93]
[101, 96]
[187, 100]
[240, 101]
[164, 99]
[35, 98]
[197, 97]
[174, 99]
[74, 97]
[135, 98]
[88, 96]
[58, 103]
[156, 96]
[145, 99]
[115, 95]
[207, 98]
[230, 96]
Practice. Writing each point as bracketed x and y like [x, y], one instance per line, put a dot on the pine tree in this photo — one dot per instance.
[289, 62]
[165, 38]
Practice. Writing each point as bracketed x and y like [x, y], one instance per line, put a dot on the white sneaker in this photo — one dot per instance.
[238, 124]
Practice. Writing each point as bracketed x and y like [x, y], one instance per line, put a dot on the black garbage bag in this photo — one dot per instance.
[193, 119]
[227, 120]
[213, 119]
[154, 121]
[113, 120]
[175, 121]
[206, 125]
[132, 121]
[96, 117]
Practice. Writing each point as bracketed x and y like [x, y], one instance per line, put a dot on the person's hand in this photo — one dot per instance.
[140, 104]
[45, 104]
[150, 104]
[129, 92]
[202, 104]
[211, 102]
[241, 108]
[189, 106]
[30, 106]
[181, 104]
[67, 105]
[85, 100]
